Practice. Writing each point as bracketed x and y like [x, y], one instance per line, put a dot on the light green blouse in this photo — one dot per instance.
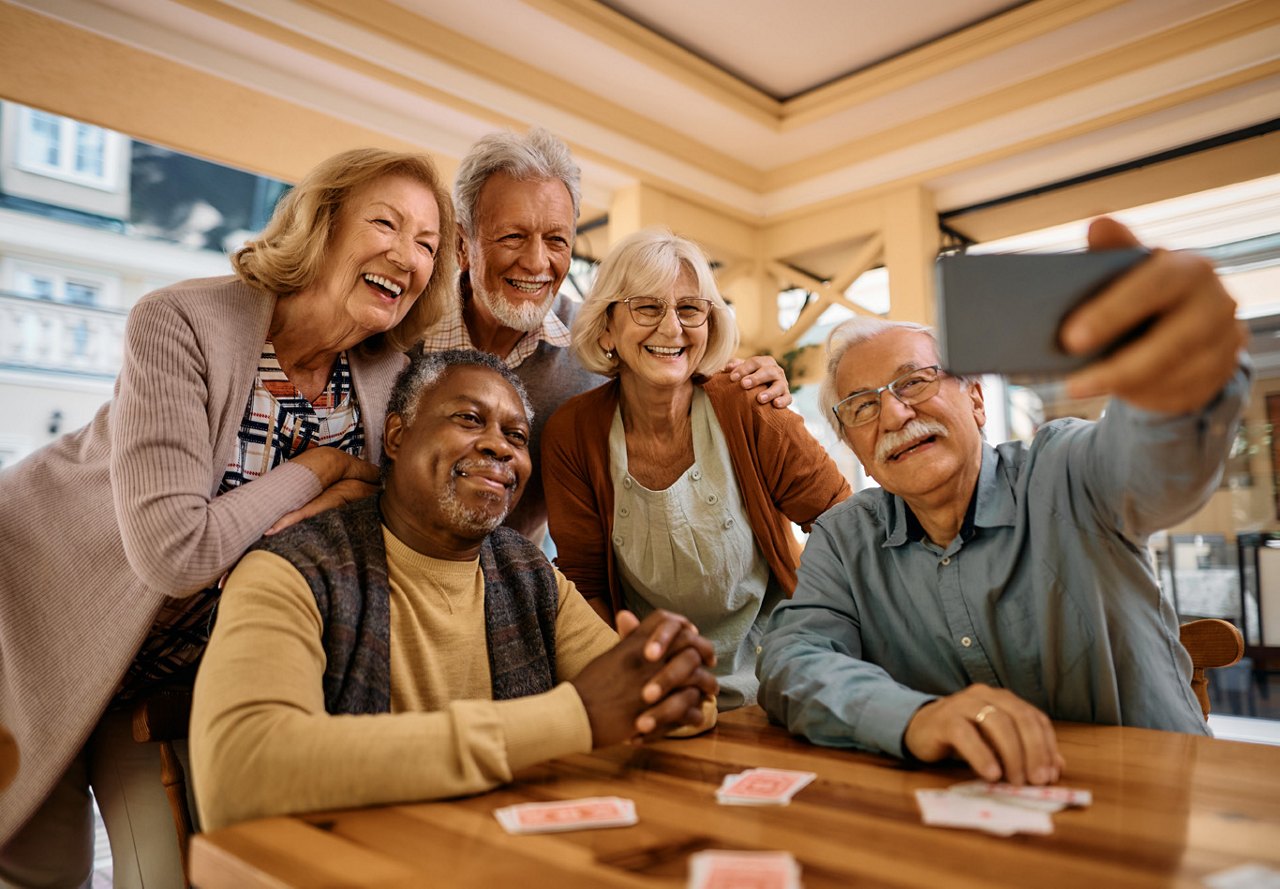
[690, 549]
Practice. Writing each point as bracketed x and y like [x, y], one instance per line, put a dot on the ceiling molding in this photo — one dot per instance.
[1211, 30]
[643, 45]
[935, 59]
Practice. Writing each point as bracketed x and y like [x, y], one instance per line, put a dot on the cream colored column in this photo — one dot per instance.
[635, 207]
[754, 295]
[911, 241]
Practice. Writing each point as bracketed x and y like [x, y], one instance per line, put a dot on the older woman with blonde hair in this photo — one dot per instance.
[665, 488]
[244, 404]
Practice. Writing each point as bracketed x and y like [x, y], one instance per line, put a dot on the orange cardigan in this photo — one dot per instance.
[783, 473]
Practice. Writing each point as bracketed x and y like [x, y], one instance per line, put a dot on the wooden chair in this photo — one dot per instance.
[1211, 643]
[8, 757]
[163, 718]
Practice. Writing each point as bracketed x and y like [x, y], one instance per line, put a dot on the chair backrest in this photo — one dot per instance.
[1211, 643]
[8, 758]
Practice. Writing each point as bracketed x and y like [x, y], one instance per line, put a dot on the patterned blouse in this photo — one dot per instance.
[278, 425]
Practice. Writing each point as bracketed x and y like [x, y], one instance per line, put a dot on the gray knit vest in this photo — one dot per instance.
[341, 555]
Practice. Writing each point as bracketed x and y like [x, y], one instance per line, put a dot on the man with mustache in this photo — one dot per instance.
[517, 199]
[408, 647]
[983, 591]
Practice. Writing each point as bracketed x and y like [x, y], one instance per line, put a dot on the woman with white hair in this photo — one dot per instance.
[665, 488]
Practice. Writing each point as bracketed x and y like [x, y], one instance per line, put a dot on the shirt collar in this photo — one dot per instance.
[450, 332]
[991, 505]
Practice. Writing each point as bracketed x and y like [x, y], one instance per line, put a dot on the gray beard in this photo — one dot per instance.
[524, 317]
[469, 522]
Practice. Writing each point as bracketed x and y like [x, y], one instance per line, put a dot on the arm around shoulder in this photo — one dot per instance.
[176, 536]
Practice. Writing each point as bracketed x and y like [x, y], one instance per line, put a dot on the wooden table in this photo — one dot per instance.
[1168, 809]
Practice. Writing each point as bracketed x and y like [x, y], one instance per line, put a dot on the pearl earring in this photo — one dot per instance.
[608, 354]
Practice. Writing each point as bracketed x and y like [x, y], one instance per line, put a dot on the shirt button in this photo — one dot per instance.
[624, 512]
[626, 482]
[759, 648]
[696, 474]
[946, 560]
[966, 641]
[713, 499]
[617, 540]
[728, 523]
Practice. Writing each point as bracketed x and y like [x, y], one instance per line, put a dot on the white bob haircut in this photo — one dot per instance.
[647, 263]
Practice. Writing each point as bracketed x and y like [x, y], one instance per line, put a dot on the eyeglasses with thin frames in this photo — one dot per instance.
[648, 311]
[911, 388]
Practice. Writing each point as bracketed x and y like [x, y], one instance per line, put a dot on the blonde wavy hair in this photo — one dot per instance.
[289, 254]
[647, 263]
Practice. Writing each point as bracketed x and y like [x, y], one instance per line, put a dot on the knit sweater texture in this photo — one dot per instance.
[341, 555]
[102, 524]
[783, 473]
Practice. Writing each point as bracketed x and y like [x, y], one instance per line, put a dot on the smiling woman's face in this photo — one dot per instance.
[382, 253]
[666, 356]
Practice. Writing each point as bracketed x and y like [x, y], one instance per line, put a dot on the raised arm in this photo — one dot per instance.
[1179, 389]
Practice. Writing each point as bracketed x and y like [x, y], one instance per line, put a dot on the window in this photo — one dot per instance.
[67, 149]
[58, 287]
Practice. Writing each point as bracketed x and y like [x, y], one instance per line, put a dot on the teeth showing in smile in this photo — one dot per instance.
[527, 286]
[385, 283]
[665, 351]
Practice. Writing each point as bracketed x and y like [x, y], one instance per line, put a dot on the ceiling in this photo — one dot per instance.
[754, 110]
[787, 49]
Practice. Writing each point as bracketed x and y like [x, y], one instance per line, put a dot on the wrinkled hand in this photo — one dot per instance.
[1191, 348]
[762, 370]
[331, 466]
[997, 733]
[335, 495]
[653, 680]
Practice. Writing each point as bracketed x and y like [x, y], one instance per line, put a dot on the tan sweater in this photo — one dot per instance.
[262, 743]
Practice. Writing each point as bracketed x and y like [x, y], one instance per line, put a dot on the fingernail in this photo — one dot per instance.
[735, 377]
[653, 651]
[651, 693]
[1041, 776]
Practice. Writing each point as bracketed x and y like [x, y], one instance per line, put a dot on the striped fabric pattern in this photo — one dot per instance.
[279, 424]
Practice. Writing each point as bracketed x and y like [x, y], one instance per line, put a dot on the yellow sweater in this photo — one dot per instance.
[262, 743]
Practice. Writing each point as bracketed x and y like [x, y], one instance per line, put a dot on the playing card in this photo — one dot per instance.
[743, 870]
[762, 787]
[941, 808]
[576, 814]
[1245, 876]
[1042, 799]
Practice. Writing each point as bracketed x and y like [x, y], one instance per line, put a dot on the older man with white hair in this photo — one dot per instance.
[518, 199]
[983, 591]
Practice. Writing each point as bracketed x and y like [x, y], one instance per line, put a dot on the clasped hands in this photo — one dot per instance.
[653, 681]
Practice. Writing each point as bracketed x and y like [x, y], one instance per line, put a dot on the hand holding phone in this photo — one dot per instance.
[1001, 313]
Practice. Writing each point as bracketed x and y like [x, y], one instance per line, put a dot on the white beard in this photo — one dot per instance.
[523, 316]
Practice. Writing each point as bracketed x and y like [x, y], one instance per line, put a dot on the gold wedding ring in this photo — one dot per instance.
[983, 714]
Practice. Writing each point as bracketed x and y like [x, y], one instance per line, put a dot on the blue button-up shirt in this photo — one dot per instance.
[1049, 593]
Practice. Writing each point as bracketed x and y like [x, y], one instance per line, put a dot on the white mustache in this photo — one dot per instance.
[917, 429]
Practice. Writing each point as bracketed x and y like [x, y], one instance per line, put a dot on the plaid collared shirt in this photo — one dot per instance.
[279, 424]
[450, 332]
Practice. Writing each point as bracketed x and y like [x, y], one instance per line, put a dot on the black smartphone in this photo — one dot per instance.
[1001, 312]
